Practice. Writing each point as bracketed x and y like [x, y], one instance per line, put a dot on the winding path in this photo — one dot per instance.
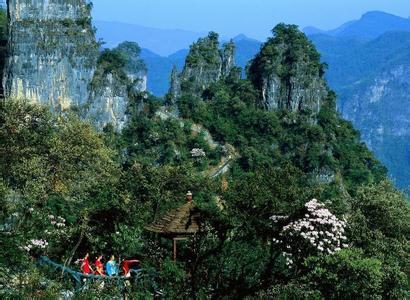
[226, 161]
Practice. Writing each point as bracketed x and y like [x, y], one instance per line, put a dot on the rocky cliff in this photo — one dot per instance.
[205, 64]
[53, 60]
[52, 52]
[288, 73]
[379, 107]
[371, 79]
[120, 75]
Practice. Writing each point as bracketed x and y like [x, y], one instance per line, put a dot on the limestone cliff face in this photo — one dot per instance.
[379, 108]
[205, 64]
[52, 52]
[48, 10]
[228, 58]
[53, 60]
[288, 72]
[113, 88]
[108, 103]
[175, 87]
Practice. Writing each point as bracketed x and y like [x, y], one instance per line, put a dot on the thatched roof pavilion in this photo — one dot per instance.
[179, 223]
[183, 221]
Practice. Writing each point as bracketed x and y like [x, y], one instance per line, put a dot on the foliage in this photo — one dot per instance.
[346, 275]
[285, 54]
[51, 166]
[132, 51]
[120, 62]
[151, 139]
[205, 52]
[85, 191]
[3, 24]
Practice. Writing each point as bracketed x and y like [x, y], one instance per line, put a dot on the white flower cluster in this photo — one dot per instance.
[33, 244]
[57, 221]
[276, 219]
[198, 152]
[319, 229]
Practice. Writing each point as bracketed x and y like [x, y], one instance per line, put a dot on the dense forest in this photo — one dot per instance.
[305, 210]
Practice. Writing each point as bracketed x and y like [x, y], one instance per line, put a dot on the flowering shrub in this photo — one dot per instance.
[35, 245]
[317, 231]
[55, 229]
[197, 152]
[57, 221]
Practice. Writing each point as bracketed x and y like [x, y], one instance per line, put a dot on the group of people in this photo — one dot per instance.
[111, 267]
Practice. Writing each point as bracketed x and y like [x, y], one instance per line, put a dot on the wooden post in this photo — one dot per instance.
[175, 249]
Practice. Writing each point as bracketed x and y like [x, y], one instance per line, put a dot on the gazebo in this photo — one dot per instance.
[178, 224]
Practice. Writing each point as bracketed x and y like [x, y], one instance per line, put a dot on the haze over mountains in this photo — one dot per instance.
[160, 67]
[163, 48]
[161, 41]
[369, 68]
[369, 26]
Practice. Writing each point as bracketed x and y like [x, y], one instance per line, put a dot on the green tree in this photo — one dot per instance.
[349, 274]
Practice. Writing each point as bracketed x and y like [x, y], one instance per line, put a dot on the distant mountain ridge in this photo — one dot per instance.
[372, 81]
[161, 41]
[369, 26]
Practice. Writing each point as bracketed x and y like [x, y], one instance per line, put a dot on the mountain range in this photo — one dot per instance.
[161, 41]
[369, 26]
[368, 67]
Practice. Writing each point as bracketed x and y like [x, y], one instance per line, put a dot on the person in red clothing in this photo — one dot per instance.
[85, 265]
[99, 267]
[127, 264]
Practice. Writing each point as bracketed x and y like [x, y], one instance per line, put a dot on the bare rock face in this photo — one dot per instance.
[108, 104]
[175, 88]
[380, 107]
[52, 52]
[288, 72]
[54, 60]
[205, 64]
[113, 88]
[46, 10]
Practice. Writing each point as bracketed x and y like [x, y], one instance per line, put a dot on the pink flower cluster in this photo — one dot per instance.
[197, 152]
[35, 244]
[318, 230]
[57, 221]
[276, 219]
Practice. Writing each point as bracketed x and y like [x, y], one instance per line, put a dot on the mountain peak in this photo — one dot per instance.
[311, 30]
[371, 25]
[243, 37]
[377, 13]
[240, 37]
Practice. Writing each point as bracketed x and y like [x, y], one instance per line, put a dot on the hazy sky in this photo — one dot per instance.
[230, 17]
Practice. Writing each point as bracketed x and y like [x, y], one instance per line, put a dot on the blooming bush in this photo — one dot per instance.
[58, 222]
[55, 230]
[197, 152]
[317, 231]
[35, 245]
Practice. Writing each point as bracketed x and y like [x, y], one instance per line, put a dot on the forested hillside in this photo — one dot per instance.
[67, 190]
[368, 69]
[372, 84]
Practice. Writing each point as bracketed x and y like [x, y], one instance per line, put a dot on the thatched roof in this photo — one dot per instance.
[178, 222]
